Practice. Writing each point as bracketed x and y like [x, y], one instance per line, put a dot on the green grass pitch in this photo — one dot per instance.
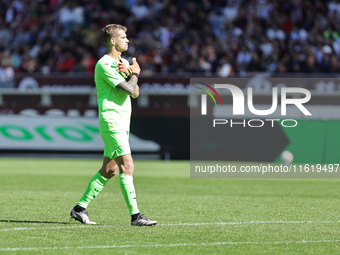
[195, 216]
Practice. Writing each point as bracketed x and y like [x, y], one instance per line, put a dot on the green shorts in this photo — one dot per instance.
[116, 144]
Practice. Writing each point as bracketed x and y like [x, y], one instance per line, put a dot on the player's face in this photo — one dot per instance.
[122, 43]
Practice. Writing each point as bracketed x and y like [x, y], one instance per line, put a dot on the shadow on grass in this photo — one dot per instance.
[34, 221]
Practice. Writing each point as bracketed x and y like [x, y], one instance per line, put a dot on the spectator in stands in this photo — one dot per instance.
[225, 68]
[5, 35]
[71, 15]
[6, 71]
[243, 58]
[334, 64]
[310, 65]
[275, 32]
[68, 62]
[255, 65]
[139, 10]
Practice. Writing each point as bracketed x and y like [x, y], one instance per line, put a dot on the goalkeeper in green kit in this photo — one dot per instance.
[116, 82]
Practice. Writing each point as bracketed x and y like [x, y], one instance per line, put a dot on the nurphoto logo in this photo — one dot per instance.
[239, 104]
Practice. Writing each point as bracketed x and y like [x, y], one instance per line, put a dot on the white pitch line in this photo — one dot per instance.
[178, 224]
[33, 228]
[166, 245]
[249, 222]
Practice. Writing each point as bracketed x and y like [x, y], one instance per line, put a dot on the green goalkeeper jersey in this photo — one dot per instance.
[114, 106]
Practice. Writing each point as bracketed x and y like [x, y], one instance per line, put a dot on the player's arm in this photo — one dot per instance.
[130, 87]
[136, 94]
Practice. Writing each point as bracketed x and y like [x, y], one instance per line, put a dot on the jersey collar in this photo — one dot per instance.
[114, 60]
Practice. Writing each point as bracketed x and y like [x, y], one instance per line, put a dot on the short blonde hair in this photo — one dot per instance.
[111, 31]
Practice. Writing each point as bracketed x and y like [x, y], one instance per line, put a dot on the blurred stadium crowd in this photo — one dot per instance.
[220, 37]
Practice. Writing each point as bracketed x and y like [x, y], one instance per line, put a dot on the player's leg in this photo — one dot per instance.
[126, 169]
[97, 183]
[109, 168]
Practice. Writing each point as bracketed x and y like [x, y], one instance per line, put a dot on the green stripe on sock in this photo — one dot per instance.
[95, 186]
[129, 193]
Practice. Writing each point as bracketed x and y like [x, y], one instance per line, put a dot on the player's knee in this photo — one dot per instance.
[127, 168]
[112, 171]
[109, 172]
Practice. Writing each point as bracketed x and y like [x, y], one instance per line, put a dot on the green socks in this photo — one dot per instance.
[96, 185]
[128, 190]
[98, 182]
